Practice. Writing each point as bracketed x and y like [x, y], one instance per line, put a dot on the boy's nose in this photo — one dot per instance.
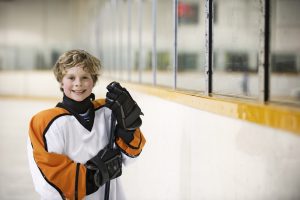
[77, 82]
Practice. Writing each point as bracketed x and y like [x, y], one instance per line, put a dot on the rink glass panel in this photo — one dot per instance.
[285, 51]
[165, 39]
[235, 47]
[145, 59]
[191, 45]
[135, 20]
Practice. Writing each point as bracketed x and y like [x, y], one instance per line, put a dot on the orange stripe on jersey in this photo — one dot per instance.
[58, 170]
[98, 103]
[136, 145]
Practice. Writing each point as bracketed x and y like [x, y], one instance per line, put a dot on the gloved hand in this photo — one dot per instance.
[123, 107]
[105, 166]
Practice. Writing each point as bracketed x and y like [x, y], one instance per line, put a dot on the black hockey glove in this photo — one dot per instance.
[123, 107]
[105, 166]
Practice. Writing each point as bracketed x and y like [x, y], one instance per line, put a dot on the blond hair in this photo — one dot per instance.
[74, 58]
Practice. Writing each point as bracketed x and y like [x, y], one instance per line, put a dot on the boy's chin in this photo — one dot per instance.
[79, 97]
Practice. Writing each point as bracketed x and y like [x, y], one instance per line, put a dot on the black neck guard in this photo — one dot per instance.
[79, 107]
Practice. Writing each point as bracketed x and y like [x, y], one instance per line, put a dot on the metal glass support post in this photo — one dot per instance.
[264, 51]
[175, 53]
[154, 50]
[208, 46]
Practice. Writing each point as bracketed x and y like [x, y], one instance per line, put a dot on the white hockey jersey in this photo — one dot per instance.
[59, 146]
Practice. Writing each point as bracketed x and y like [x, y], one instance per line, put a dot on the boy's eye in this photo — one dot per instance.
[71, 78]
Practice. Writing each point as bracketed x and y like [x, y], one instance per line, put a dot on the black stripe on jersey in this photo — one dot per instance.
[76, 181]
[132, 147]
[48, 126]
[123, 151]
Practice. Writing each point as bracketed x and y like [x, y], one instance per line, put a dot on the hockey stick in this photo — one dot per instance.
[110, 146]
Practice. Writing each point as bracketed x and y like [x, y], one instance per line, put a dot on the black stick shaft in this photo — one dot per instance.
[110, 146]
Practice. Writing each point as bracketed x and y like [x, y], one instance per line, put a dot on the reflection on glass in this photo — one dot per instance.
[31, 36]
[285, 54]
[191, 45]
[236, 47]
[135, 54]
[106, 40]
[122, 37]
[146, 51]
[114, 39]
[141, 41]
[165, 42]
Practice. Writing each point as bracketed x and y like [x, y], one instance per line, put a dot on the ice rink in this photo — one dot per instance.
[15, 182]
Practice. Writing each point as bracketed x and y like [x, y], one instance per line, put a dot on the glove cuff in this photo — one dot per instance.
[91, 186]
[126, 135]
[101, 175]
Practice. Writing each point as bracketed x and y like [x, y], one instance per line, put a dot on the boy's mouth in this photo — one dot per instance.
[78, 91]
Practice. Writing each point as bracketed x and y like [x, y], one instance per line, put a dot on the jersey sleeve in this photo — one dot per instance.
[135, 147]
[67, 177]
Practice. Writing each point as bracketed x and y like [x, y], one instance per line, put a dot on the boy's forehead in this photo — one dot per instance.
[77, 69]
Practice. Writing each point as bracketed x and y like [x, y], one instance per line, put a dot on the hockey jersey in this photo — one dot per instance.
[59, 146]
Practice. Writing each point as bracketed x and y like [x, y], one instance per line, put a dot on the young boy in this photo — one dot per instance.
[68, 147]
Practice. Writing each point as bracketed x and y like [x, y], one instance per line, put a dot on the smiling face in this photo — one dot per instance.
[77, 84]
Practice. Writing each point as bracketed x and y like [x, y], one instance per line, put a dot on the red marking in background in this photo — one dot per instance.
[184, 9]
